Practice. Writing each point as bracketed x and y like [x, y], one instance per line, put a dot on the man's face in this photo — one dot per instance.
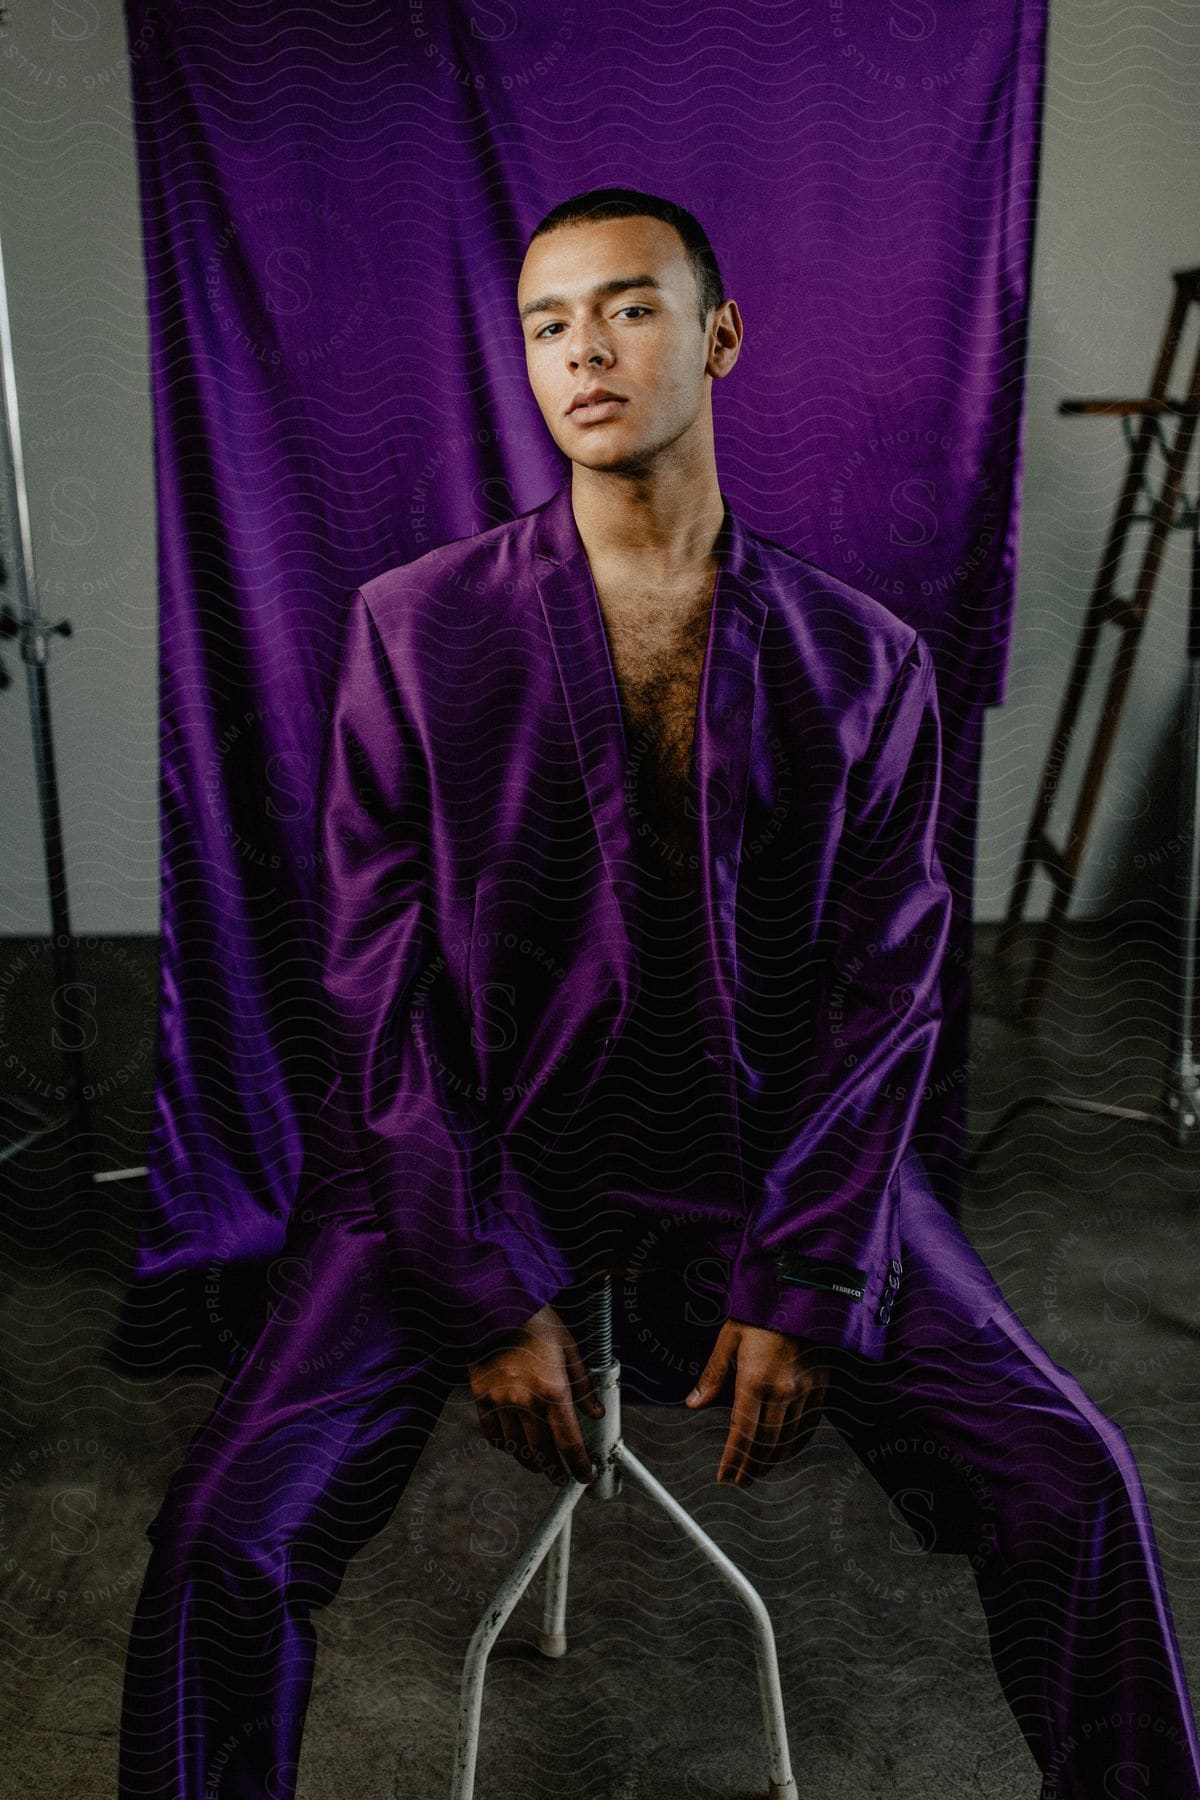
[614, 306]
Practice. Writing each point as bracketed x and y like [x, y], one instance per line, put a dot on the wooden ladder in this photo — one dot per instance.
[1128, 614]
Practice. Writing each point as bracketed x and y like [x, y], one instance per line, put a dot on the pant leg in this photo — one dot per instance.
[989, 1449]
[301, 1462]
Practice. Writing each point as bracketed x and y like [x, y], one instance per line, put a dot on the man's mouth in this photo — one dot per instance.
[604, 406]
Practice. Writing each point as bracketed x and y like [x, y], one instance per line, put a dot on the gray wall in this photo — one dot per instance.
[1118, 212]
[72, 252]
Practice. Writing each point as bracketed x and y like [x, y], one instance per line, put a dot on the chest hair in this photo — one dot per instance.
[658, 644]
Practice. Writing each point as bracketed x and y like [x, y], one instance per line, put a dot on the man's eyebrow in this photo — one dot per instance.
[618, 285]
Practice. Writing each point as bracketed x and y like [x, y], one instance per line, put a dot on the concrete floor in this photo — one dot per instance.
[1091, 1227]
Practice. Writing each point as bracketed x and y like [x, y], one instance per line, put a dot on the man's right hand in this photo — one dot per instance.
[526, 1393]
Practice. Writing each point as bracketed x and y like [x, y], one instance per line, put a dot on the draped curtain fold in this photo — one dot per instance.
[335, 202]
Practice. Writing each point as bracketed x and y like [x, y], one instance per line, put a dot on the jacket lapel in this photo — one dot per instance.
[724, 734]
[573, 620]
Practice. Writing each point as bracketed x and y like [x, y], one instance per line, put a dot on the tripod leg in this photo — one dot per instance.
[489, 1629]
[553, 1639]
[782, 1786]
[601, 1436]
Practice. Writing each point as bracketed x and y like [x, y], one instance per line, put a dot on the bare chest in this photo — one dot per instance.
[658, 646]
[658, 655]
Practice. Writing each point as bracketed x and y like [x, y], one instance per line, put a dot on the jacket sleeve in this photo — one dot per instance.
[468, 1271]
[820, 1254]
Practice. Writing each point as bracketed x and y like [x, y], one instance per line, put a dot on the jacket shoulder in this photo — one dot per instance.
[828, 603]
[461, 573]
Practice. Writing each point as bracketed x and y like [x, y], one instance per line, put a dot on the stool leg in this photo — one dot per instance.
[488, 1630]
[601, 1436]
[782, 1785]
[553, 1639]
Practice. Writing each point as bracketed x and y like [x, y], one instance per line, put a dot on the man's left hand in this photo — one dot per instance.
[779, 1388]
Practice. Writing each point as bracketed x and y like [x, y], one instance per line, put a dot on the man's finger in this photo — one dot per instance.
[801, 1422]
[568, 1439]
[772, 1418]
[712, 1377]
[511, 1426]
[489, 1423]
[743, 1422]
[538, 1446]
[581, 1381]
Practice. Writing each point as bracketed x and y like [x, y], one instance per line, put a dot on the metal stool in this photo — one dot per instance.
[552, 1540]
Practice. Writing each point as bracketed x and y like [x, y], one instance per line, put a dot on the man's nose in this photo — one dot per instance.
[588, 346]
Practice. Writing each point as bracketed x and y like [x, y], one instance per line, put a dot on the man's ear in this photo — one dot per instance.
[725, 340]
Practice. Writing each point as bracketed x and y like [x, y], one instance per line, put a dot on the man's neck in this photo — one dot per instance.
[665, 528]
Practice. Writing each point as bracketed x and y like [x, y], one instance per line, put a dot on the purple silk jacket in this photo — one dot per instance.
[477, 858]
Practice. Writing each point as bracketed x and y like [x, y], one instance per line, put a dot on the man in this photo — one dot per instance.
[632, 922]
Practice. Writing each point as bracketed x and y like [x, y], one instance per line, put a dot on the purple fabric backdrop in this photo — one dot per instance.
[335, 205]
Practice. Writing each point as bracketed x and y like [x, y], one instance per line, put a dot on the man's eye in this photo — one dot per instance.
[557, 325]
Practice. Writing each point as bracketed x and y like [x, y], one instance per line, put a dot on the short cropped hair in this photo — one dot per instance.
[600, 204]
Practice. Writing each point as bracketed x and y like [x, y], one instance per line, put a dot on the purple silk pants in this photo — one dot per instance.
[986, 1447]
